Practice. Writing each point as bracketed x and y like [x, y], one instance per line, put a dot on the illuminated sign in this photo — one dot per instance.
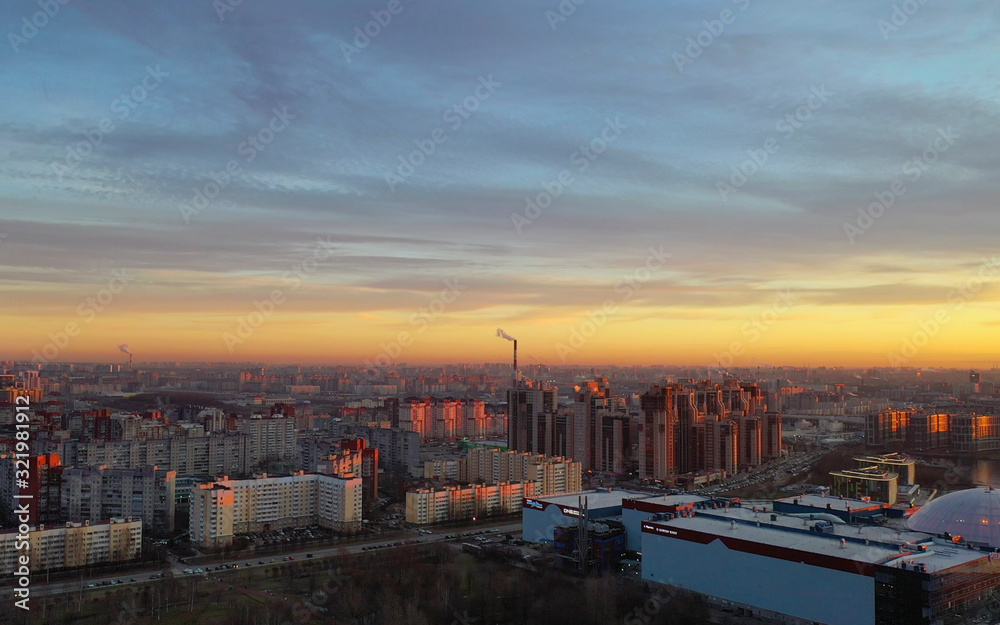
[531, 503]
[646, 527]
[569, 511]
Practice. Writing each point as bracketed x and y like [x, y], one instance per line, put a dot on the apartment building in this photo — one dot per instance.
[73, 545]
[43, 487]
[454, 503]
[225, 508]
[144, 493]
[271, 437]
[215, 454]
[549, 474]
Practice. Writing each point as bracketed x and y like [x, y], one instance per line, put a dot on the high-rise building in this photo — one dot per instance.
[721, 446]
[658, 433]
[41, 488]
[442, 417]
[550, 474]
[211, 515]
[771, 436]
[97, 493]
[272, 438]
[355, 459]
[225, 508]
[698, 427]
[531, 410]
[601, 428]
[398, 449]
[216, 454]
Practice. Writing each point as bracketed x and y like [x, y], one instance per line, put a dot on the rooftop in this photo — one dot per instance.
[973, 514]
[838, 503]
[601, 498]
[863, 544]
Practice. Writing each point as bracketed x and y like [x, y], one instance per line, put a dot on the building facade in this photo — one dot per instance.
[223, 509]
[215, 454]
[73, 545]
[549, 474]
[97, 493]
[426, 506]
[43, 486]
[531, 411]
[271, 438]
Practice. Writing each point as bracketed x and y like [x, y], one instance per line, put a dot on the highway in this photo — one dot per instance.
[177, 569]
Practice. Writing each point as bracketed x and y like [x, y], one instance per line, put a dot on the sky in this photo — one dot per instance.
[725, 183]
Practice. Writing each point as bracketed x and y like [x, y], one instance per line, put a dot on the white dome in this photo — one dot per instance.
[973, 514]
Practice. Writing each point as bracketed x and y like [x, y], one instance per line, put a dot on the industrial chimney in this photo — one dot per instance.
[516, 376]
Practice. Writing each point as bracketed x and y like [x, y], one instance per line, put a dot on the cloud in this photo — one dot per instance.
[656, 185]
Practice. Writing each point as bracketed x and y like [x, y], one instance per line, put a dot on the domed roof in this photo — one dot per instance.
[973, 514]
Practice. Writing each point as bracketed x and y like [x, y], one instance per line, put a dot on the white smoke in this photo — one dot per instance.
[504, 335]
[124, 347]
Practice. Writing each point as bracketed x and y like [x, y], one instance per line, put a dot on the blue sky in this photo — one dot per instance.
[555, 86]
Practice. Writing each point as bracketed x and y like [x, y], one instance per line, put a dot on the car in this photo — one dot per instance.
[309, 555]
[291, 558]
[91, 585]
[131, 580]
[260, 562]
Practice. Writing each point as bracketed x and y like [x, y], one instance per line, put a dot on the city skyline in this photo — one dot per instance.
[688, 185]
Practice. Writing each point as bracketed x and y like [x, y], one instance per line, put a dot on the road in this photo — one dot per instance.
[177, 569]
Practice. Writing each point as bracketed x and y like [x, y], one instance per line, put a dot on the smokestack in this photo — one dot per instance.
[124, 349]
[504, 335]
[515, 363]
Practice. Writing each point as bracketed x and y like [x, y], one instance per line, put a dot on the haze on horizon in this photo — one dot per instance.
[371, 192]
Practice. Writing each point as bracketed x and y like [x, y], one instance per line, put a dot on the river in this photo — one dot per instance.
[983, 470]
